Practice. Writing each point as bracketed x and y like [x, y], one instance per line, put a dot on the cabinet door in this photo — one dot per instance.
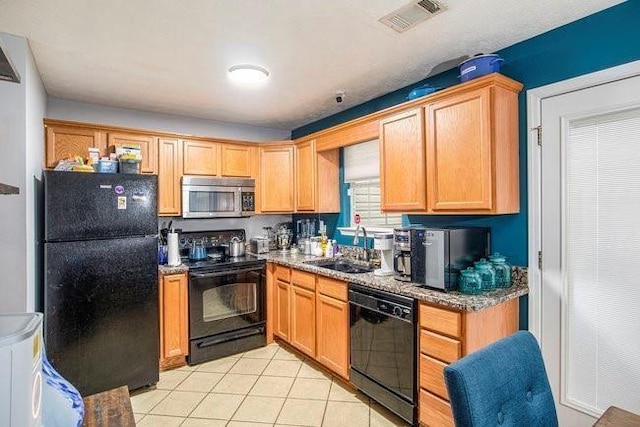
[303, 320]
[174, 316]
[235, 160]
[169, 175]
[459, 152]
[402, 162]
[148, 147]
[200, 157]
[65, 141]
[281, 302]
[328, 181]
[306, 172]
[333, 334]
[276, 179]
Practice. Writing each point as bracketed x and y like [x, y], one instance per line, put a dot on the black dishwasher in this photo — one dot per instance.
[383, 348]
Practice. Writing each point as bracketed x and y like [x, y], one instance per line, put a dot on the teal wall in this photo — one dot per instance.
[599, 41]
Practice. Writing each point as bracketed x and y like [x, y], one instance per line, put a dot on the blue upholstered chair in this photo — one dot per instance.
[503, 384]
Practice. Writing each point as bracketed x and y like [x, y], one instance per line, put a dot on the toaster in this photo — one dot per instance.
[259, 245]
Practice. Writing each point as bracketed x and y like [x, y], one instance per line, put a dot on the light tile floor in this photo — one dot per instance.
[269, 386]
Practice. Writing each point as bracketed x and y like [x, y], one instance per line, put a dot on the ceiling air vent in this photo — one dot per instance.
[7, 72]
[412, 14]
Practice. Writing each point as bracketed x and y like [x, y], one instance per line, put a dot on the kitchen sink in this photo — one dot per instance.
[341, 265]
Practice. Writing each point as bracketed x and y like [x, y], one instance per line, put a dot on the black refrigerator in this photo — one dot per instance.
[100, 293]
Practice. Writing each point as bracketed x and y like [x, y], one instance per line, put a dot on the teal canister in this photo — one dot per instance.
[469, 282]
[487, 274]
[503, 270]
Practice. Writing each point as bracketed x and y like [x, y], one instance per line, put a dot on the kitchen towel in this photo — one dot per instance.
[173, 250]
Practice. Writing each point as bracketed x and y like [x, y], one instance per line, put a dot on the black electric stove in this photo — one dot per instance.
[216, 244]
[226, 297]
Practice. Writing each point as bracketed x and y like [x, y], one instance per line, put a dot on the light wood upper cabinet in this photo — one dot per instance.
[235, 160]
[472, 152]
[148, 148]
[277, 179]
[317, 178]
[64, 141]
[402, 162]
[306, 171]
[174, 316]
[200, 157]
[169, 177]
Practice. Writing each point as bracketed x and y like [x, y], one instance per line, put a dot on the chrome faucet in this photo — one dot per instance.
[365, 255]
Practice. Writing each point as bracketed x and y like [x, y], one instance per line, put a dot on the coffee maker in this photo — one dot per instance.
[402, 254]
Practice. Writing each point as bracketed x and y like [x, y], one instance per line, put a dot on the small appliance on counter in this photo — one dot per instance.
[384, 243]
[402, 254]
[259, 245]
[439, 254]
[306, 229]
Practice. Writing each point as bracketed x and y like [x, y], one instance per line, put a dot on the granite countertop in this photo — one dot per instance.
[166, 269]
[454, 299]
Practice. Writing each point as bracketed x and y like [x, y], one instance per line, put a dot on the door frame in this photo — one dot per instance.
[534, 119]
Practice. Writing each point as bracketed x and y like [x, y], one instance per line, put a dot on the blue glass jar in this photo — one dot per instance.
[487, 274]
[503, 270]
[469, 282]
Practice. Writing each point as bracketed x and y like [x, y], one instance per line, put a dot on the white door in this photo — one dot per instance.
[590, 239]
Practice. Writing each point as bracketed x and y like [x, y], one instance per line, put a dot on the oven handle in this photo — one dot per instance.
[225, 273]
[245, 334]
[380, 312]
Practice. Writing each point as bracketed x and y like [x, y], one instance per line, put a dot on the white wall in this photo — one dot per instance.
[64, 109]
[21, 111]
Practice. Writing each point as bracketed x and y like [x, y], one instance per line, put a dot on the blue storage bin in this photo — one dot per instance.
[479, 65]
[108, 166]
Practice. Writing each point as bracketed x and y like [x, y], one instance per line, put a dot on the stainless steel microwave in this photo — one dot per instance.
[212, 197]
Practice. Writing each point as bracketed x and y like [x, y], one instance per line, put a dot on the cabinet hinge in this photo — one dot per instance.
[539, 130]
[540, 260]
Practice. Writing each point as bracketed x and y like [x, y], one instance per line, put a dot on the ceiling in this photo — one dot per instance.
[170, 56]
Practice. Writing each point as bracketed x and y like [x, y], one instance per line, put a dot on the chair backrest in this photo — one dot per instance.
[503, 384]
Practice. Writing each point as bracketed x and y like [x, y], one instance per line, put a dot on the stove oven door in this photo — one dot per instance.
[226, 312]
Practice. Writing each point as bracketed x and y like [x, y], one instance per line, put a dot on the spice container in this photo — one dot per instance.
[487, 274]
[503, 270]
[469, 282]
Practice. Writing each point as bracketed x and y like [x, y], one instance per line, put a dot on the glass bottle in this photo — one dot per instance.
[487, 274]
[470, 282]
[503, 270]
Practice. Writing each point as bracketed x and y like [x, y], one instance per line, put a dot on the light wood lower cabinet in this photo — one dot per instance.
[333, 334]
[312, 314]
[303, 316]
[174, 320]
[445, 336]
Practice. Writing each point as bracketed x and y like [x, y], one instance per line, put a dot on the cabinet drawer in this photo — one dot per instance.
[441, 320]
[303, 279]
[441, 347]
[332, 288]
[433, 411]
[282, 273]
[432, 376]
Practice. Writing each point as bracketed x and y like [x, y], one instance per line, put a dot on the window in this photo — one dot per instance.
[362, 173]
[365, 201]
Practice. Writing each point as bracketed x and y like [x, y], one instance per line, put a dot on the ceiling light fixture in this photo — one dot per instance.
[248, 73]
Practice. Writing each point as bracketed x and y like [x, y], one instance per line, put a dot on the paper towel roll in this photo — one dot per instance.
[173, 257]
